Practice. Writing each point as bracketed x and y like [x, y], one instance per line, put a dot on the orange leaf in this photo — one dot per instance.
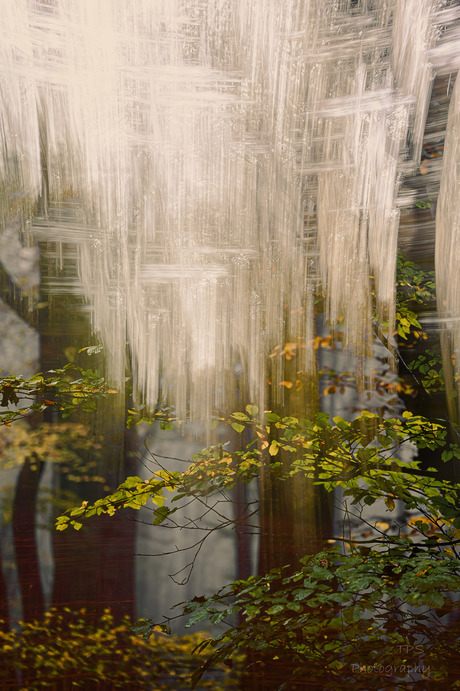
[316, 342]
[287, 384]
[421, 573]
[289, 350]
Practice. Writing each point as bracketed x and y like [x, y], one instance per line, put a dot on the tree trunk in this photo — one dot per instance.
[27, 563]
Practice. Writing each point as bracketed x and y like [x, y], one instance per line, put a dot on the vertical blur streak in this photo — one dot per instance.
[212, 161]
[448, 256]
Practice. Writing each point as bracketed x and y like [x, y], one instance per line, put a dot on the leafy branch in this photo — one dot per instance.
[66, 389]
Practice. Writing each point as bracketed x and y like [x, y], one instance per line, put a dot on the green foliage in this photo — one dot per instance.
[333, 454]
[414, 284]
[66, 389]
[406, 320]
[415, 288]
[428, 367]
[336, 612]
[353, 604]
[162, 414]
[421, 204]
[66, 645]
[133, 493]
[378, 587]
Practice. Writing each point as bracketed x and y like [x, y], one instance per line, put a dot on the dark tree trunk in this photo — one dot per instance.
[94, 567]
[4, 610]
[27, 563]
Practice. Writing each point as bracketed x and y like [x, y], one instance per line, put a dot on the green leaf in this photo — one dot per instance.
[217, 617]
[161, 514]
[240, 416]
[302, 594]
[131, 481]
[196, 617]
[390, 503]
[238, 427]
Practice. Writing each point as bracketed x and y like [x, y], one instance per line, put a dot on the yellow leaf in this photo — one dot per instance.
[274, 448]
[287, 384]
[382, 525]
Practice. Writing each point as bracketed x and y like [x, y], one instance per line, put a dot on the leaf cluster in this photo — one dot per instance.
[133, 493]
[413, 283]
[67, 389]
[338, 611]
[415, 287]
[67, 647]
[428, 366]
